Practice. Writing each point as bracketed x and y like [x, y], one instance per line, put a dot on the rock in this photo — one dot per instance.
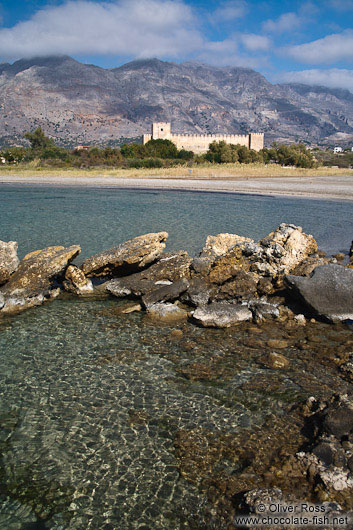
[328, 292]
[8, 260]
[275, 360]
[220, 244]
[300, 319]
[259, 500]
[333, 478]
[201, 266]
[166, 313]
[176, 334]
[306, 267]
[324, 452]
[198, 292]
[228, 266]
[264, 286]
[221, 314]
[277, 344]
[165, 293]
[350, 253]
[350, 464]
[34, 280]
[127, 257]
[244, 284]
[2, 301]
[339, 256]
[288, 246]
[243, 267]
[170, 268]
[339, 421]
[76, 281]
[126, 309]
[262, 309]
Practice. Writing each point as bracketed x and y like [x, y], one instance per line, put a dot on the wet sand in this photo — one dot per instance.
[320, 187]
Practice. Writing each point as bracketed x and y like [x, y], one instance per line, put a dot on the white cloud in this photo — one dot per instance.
[230, 11]
[286, 22]
[332, 78]
[226, 53]
[254, 42]
[330, 49]
[340, 5]
[128, 28]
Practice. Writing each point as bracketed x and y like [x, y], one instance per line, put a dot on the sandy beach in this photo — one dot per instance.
[321, 187]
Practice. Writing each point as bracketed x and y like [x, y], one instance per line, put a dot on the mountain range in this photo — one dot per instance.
[77, 103]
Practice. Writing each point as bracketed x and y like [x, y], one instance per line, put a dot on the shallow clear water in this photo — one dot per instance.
[91, 401]
[99, 218]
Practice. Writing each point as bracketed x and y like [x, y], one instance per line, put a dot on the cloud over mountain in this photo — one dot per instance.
[330, 49]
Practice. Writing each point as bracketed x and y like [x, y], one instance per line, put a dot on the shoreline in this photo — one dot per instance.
[318, 187]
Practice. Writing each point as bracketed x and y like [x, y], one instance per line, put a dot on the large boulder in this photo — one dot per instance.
[220, 244]
[328, 292]
[168, 269]
[8, 260]
[286, 247]
[221, 314]
[246, 264]
[126, 258]
[35, 279]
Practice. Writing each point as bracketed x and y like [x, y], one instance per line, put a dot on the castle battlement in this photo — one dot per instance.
[199, 143]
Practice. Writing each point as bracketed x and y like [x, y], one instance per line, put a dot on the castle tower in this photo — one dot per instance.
[256, 141]
[161, 130]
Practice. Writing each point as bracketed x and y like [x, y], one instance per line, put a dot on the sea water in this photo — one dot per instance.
[91, 401]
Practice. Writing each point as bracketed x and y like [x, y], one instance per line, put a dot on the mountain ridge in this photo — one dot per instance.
[78, 103]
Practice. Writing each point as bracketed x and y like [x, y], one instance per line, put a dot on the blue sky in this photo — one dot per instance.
[305, 41]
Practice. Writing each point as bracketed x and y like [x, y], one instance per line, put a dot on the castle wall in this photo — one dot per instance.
[199, 143]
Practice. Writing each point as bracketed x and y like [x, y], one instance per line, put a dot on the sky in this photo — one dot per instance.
[288, 41]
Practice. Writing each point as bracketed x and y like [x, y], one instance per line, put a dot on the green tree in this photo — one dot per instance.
[38, 140]
[161, 149]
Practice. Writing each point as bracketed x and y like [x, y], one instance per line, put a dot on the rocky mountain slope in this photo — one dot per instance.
[78, 103]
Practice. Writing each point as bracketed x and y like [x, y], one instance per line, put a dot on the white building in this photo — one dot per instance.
[338, 150]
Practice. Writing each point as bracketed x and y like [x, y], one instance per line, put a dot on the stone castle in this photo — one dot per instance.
[199, 143]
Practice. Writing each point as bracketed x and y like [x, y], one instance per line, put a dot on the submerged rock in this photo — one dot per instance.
[275, 360]
[34, 280]
[8, 260]
[127, 257]
[76, 281]
[221, 314]
[327, 460]
[328, 292]
[166, 313]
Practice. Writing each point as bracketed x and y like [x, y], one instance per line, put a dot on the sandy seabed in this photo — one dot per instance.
[321, 187]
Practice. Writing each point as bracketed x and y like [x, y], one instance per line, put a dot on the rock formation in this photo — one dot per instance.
[234, 279]
[36, 278]
[128, 257]
[8, 260]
